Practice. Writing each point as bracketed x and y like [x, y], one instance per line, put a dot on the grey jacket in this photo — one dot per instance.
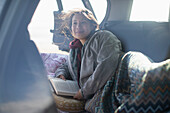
[98, 64]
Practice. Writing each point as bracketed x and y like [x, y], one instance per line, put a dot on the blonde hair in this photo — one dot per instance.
[67, 17]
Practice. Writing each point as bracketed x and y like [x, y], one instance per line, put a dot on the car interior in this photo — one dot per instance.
[24, 85]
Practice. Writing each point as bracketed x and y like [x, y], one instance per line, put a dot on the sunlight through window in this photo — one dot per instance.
[71, 4]
[41, 23]
[99, 7]
[150, 10]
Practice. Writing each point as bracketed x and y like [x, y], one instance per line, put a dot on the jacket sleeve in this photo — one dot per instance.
[108, 51]
[63, 70]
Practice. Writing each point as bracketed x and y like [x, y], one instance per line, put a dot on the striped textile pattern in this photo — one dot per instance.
[153, 95]
[140, 86]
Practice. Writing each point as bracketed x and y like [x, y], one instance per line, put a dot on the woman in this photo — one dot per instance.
[93, 57]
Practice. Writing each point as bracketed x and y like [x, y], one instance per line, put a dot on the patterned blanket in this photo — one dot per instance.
[140, 86]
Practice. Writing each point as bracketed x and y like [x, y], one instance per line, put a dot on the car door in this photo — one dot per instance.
[24, 86]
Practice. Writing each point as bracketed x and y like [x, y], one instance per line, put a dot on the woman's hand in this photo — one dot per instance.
[78, 95]
[62, 77]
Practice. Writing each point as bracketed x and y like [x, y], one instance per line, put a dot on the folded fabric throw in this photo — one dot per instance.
[153, 94]
[140, 86]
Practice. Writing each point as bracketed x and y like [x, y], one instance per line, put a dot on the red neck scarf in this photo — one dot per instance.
[73, 45]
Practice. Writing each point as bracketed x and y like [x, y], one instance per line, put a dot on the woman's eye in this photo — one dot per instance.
[83, 22]
[74, 23]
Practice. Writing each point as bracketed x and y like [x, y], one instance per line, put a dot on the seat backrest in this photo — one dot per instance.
[150, 38]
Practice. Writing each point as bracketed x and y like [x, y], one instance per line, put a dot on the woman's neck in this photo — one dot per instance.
[83, 41]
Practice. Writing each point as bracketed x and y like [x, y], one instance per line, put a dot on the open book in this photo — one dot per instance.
[62, 87]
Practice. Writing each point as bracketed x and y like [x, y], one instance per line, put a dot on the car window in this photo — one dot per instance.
[150, 10]
[41, 24]
[99, 7]
[70, 4]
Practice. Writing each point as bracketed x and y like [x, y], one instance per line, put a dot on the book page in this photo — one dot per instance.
[68, 87]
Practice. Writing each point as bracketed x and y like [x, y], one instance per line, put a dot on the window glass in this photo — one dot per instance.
[99, 7]
[150, 10]
[41, 24]
[71, 4]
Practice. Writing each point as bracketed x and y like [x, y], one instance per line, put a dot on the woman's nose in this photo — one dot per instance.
[79, 25]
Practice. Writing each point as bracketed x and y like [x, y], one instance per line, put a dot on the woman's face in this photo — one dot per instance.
[81, 27]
